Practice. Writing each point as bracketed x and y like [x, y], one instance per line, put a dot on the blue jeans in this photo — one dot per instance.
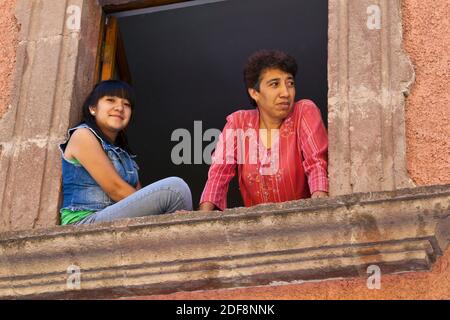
[164, 196]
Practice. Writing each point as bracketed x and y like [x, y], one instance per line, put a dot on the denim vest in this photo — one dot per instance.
[80, 190]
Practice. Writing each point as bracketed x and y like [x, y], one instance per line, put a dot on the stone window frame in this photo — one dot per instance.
[369, 76]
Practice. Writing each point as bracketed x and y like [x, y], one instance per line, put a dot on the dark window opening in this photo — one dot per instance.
[185, 61]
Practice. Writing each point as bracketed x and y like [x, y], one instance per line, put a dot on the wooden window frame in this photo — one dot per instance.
[112, 61]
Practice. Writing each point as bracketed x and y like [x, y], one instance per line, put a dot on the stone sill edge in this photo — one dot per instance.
[308, 205]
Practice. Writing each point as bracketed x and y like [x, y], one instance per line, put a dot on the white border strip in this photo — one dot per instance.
[163, 8]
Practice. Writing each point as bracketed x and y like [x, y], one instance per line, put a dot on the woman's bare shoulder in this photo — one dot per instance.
[83, 135]
[82, 139]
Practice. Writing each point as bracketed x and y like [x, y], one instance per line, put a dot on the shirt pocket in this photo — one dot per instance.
[135, 165]
[117, 163]
[132, 172]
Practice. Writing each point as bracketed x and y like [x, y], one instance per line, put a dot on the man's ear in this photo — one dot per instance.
[254, 94]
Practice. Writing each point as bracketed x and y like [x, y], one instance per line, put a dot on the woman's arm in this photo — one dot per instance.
[221, 171]
[314, 146]
[84, 146]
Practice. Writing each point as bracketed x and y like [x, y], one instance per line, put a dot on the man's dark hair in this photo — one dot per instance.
[262, 60]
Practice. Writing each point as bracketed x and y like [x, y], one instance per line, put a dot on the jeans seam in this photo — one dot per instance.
[159, 189]
[180, 196]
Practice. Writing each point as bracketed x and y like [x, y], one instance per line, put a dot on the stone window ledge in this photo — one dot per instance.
[403, 230]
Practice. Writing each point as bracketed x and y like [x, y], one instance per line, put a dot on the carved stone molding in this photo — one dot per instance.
[403, 230]
[368, 74]
[54, 70]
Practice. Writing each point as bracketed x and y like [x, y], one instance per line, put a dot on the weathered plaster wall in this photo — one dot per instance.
[8, 44]
[54, 70]
[426, 39]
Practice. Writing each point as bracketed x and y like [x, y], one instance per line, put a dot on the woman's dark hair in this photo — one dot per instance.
[111, 88]
[262, 60]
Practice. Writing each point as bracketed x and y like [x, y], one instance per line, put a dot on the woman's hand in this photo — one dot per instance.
[319, 194]
[207, 206]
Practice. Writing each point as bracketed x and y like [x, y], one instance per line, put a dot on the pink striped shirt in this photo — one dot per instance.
[299, 170]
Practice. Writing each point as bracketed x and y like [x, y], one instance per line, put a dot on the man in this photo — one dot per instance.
[280, 148]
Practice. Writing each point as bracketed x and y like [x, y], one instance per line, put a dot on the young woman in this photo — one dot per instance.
[100, 177]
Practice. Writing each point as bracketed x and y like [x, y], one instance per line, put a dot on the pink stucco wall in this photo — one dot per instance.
[8, 44]
[427, 41]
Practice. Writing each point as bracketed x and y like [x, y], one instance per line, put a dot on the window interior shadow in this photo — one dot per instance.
[186, 64]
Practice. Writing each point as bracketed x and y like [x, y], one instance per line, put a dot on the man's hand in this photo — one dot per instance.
[319, 194]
